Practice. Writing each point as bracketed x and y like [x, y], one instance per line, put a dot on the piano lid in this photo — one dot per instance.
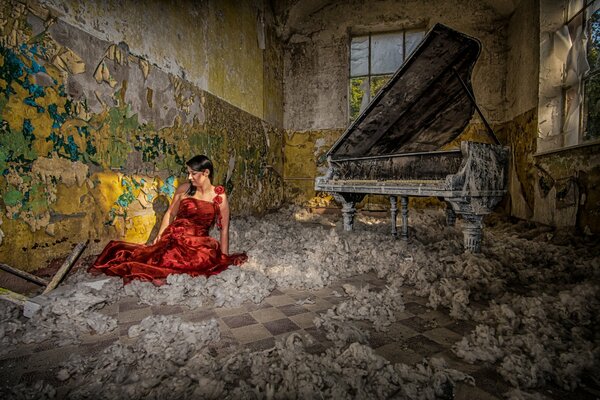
[423, 106]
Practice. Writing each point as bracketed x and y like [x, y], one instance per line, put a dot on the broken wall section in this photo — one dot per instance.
[93, 141]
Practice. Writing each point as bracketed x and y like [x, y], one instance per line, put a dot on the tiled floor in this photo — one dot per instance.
[418, 332]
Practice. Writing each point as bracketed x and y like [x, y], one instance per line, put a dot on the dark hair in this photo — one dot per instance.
[199, 163]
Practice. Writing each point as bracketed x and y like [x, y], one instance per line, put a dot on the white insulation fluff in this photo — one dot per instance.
[363, 305]
[230, 288]
[68, 312]
[533, 294]
[169, 360]
[151, 367]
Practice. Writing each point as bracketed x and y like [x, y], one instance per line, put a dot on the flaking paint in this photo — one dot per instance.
[87, 158]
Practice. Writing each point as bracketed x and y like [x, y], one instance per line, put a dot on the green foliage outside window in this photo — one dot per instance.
[377, 82]
[592, 105]
[592, 82]
[357, 93]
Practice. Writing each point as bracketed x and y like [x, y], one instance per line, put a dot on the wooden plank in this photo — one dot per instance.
[13, 297]
[64, 268]
[24, 275]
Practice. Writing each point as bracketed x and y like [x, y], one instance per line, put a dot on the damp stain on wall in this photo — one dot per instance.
[305, 159]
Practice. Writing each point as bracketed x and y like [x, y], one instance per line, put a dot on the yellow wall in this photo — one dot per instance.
[304, 155]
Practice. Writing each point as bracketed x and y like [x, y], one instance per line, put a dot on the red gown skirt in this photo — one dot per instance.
[184, 248]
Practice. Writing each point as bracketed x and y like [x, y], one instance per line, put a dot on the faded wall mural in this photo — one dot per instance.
[93, 140]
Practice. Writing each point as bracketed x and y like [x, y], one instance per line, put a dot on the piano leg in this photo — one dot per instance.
[348, 202]
[473, 232]
[473, 209]
[394, 213]
[404, 212]
[450, 215]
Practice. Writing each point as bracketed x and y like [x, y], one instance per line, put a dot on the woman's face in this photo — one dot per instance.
[197, 178]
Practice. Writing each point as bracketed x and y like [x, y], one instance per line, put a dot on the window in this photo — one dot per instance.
[581, 76]
[373, 60]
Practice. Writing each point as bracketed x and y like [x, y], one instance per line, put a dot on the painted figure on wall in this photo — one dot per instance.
[183, 244]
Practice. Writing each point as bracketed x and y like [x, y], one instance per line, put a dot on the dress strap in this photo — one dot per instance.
[217, 200]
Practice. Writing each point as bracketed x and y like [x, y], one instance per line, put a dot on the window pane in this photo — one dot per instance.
[377, 83]
[387, 53]
[593, 33]
[591, 108]
[359, 96]
[412, 39]
[359, 56]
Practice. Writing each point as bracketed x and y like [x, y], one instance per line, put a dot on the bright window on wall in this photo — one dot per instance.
[581, 79]
[373, 60]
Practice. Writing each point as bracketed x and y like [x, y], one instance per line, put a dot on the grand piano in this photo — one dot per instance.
[398, 145]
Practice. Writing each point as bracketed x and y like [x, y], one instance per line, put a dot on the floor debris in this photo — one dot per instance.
[532, 297]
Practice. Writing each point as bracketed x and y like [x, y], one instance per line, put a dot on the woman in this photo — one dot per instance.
[183, 244]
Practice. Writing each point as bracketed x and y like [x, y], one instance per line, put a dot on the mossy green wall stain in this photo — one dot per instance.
[209, 141]
[3, 101]
[12, 196]
[15, 146]
[12, 69]
[37, 201]
[122, 126]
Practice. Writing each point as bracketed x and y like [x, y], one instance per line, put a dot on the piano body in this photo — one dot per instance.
[395, 146]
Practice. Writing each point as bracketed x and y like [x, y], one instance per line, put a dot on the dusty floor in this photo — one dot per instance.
[419, 332]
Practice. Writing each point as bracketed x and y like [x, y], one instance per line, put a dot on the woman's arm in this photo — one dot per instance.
[224, 208]
[172, 210]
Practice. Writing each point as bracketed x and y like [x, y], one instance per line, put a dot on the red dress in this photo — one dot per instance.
[184, 248]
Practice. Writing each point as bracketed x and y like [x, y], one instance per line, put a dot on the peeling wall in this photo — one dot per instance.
[219, 46]
[567, 189]
[519, 132]
[93, 140]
